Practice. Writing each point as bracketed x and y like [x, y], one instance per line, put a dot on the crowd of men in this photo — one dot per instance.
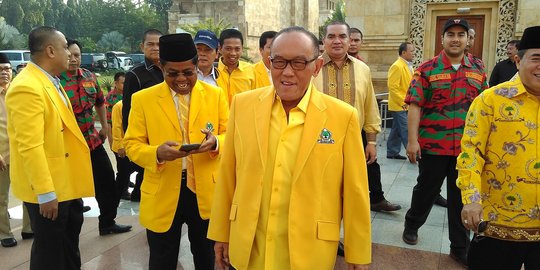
[266, 162]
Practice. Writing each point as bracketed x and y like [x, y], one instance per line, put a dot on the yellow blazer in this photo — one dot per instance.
[152, 121]
[261, 75]
[116, 129]
[399, 79]
[48, 151]
[329, 183]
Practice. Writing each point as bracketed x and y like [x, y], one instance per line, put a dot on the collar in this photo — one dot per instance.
[67, 76]
[326, 58]
[212, 73]
[446, 61]
[3, 90]
[148, 64]
[304, 102]
[221, 66]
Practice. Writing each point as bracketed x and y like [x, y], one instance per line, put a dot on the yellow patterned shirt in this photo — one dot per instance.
[499, 164]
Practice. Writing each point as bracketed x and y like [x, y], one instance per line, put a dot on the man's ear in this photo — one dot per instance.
[49, 51]
[517, 60]
[318, 66]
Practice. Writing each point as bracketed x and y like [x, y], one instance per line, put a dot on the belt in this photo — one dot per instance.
[513, 234]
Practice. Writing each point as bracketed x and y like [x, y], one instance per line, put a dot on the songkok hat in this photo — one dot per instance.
[177, 47]
[530, 38]
[451, 22]
[207, 38]
[4, 59]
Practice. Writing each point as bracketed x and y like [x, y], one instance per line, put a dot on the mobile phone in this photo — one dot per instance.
[190, 147]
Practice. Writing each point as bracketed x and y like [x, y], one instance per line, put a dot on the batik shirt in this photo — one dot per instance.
[444, 95]
[84, 93]
[499, 167]
[112, 98]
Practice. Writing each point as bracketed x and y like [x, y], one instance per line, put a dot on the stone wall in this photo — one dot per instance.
[528, 14]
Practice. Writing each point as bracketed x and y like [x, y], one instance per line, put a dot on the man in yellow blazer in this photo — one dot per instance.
[262, 68]
[292, 169]
[50, 160]
[178, 184]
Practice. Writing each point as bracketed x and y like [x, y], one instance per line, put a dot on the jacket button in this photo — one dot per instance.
[67, 155]
[62, 130]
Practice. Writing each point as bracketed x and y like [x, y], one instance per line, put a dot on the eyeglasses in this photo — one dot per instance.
[296, 64]
[7, 69]
[175, 74]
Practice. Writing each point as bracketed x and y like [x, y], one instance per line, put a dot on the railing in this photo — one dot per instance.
[383, 109]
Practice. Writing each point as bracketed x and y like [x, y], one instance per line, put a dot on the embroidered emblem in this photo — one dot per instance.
[210, 127]
[325, 137]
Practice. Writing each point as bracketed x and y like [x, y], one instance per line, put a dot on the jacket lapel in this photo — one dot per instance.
[166, 103]
[262, 114]
[314, 123]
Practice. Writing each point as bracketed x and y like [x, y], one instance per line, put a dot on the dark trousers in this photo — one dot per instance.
[164, 247]
[376, 193]
[105, 187]
[495, 254]
[136, 192]
[124, 168]
[433, 170]
[56, 243]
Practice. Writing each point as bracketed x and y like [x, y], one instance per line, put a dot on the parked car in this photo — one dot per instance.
[17, 58]
[137, 58]
[94, 61]
[125, 62]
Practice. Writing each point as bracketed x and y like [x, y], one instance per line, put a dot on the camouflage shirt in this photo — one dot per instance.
[444, 95]
[84, 93]
[112, 98]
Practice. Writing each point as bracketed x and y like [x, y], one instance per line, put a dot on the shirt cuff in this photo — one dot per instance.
[46, 197]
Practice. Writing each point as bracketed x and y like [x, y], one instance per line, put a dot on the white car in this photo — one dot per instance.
[17, 58]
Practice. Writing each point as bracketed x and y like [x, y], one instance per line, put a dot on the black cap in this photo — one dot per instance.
[530, 38]
[177, 47]
[451, 22]
[4, 59]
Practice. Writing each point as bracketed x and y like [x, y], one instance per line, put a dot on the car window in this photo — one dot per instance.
[26, 56]
[14, 56]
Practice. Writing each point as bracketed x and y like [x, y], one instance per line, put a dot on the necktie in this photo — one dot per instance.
[184, 125]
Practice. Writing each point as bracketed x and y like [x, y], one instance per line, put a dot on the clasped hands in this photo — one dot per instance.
[170, 150]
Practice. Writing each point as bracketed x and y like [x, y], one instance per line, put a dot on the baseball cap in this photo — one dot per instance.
[451, 22]
[207, 38]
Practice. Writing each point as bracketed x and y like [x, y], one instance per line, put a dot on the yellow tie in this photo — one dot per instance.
[184, 112]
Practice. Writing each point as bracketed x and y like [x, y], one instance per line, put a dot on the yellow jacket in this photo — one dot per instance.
[399, 79]
[48, 151]
[117, 130]
[240, 80]
[329, 183]
[152, 121]
[261, 75]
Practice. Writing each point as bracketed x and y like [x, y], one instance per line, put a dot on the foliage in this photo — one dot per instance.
[112, 41]
[106, 83]
[10, 36]
[337, 15]
[88, 45]
[208, 24]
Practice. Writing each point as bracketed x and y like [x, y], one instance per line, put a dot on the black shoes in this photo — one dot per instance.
[116, 228]
[125, 196]
[441, 201]
[340, 249]
[410, 236]
[9, 242]
[135, 196]
[86, 208]
[27, 235]
[385, 205]
[398, 156]
[459, 257]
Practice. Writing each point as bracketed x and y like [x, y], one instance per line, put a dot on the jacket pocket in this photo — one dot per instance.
[327, 231]
[232, 215]
[149, 187]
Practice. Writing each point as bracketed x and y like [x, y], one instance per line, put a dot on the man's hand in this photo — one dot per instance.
[471, 214]
[3, 165]
[104, 133]
[208, 145]
[49, 210]
[122, 152]
[371, 153]
[351, 266]
[413, 151]
[169, 151]
[221, 251]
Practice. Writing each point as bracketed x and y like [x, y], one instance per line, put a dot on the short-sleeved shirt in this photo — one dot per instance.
[84, 93]
[112, 98]
[444, 95]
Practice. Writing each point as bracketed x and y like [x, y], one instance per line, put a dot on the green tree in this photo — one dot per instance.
[112, 41]
[208, 24]
[10, 38]
[337, 15]
[162, 10]
[88, 44]
[13, 12]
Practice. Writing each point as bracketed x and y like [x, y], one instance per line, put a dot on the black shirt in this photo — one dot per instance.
[139, 77]
[502, 72]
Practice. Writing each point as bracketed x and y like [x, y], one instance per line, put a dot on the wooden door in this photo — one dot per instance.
[476, 22]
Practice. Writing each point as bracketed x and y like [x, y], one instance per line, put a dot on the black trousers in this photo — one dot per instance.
[164, 247]
[56, 243]
[495, 254]
[136, 192]
[433, 169]
[376, 193]
[105, 187]
[124, 168]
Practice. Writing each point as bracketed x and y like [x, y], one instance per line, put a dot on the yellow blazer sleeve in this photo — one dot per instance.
[26, 107]
[356, 211]
[136, 141]
[222, 125]
[396, 92]
[372, 122]
[117, 130]
[219, 227]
